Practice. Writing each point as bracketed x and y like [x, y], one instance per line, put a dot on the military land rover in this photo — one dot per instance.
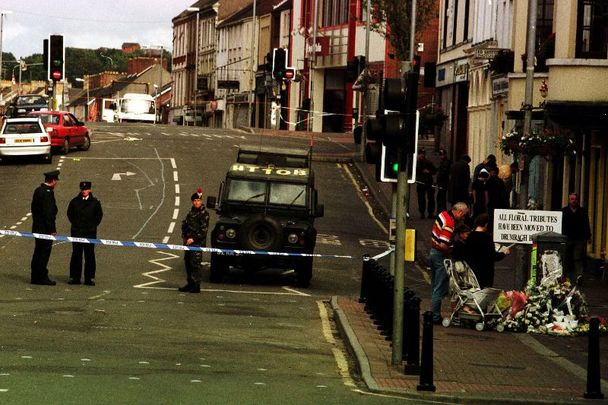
[267, 203]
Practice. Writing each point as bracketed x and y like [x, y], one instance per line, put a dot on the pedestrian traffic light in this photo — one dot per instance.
[280, 70]
[389, 165]
[56, 58]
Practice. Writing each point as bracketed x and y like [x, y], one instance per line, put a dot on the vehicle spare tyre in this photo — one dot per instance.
[261, 232]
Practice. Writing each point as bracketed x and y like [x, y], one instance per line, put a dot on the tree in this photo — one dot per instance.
[391, 18]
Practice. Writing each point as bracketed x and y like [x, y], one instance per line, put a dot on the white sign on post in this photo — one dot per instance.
[518, 226]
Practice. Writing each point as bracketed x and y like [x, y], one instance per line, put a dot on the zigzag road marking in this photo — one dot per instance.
[157, 280]
[151, 274]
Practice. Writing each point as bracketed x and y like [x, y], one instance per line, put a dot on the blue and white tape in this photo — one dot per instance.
[165, 246]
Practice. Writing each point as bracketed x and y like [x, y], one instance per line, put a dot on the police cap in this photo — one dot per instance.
[52, 175]
[85, 185]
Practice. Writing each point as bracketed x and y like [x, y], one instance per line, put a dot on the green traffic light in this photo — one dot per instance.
[395, 167]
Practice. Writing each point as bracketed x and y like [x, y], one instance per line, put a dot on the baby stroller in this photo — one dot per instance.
[470, 303]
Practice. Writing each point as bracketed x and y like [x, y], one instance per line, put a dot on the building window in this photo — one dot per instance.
[591, 29]
[545, 37]
[334, 12]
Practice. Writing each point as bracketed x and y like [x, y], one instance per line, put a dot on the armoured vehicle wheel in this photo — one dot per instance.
[218, 268]
[303, 272]
[261, 232]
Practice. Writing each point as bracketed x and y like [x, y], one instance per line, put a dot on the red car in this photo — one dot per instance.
[65, 130]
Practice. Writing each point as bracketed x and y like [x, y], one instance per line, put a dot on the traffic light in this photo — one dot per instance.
[389, 164]
[56, 58]
[280, 70]
[394, 126]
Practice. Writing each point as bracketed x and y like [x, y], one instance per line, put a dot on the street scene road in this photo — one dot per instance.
[133, 338]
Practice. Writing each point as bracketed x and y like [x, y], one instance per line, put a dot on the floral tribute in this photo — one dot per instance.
[544, 143]
[557, 308]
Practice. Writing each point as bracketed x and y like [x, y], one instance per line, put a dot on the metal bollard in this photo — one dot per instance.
[364, 292]
[408, 294]
[413, 337]
[426, 365]
[594, 389]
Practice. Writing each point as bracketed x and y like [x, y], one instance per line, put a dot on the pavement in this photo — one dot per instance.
[468, 366]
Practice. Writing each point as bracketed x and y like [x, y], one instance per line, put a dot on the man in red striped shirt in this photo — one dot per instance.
[441, 246]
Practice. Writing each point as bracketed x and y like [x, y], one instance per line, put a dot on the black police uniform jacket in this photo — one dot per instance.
[195, 226]
[85, 216]
[44, 210]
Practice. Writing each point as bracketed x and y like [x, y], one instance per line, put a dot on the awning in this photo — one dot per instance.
[578, 114]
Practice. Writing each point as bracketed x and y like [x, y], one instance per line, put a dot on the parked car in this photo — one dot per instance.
[24, 137]
[65, 130]
[20, 106]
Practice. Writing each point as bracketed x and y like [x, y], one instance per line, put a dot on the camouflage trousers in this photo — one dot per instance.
[194, 267]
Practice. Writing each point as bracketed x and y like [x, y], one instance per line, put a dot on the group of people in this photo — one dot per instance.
[485, 192]
[85, 214]
[453, 239]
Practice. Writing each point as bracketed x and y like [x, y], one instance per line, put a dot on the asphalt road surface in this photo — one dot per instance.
[133, 338]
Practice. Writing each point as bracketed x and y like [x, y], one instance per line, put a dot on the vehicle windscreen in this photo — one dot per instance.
[247, 191]
[26, 100]
[288, 194]
[137, 106]
[279, 193]
[22, 128]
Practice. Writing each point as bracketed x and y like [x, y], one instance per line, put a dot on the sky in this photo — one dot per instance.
[88, 24]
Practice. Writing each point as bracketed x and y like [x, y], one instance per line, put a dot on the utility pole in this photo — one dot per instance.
[252, 65]
[401, 205]
[521, 266]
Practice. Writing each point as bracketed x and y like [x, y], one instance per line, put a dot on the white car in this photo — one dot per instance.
[24, 137]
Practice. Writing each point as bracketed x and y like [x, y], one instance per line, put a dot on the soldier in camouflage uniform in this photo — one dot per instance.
[194, 233]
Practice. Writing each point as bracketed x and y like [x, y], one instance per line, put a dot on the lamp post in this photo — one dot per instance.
[2, 14]
[195, 9]
[86, 82]
[252, 65]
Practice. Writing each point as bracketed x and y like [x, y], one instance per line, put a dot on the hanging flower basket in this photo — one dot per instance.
[543, 143]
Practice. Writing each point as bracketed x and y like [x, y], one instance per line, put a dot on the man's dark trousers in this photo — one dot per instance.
[89, 261]
[40, 259]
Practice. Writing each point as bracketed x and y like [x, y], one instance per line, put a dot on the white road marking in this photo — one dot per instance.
[105, 292]
[177, 189]
[173, 164]
[175, 177]
[177, 201]
[163, 268]
[171, 227]
[175, 213]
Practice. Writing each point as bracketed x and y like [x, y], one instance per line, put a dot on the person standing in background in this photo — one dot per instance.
[460, 180]
[44, 214]
[479, 193]
[576, 227]
[443, 180]
[425, 169]
[85, 214]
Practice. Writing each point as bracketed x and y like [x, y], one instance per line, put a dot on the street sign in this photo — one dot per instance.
[518, 226]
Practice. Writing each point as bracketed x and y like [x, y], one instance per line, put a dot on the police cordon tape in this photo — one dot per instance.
[166, 246]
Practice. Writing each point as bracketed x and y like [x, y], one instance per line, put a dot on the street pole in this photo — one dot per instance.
[311, 65]
[87, 109]
[401, 218]
[2, 14]
[252, 66]
[363, 107]
[521, 267]
[160, 82]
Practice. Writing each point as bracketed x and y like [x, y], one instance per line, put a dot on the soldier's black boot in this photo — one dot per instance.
[196, 288]
[185, 288]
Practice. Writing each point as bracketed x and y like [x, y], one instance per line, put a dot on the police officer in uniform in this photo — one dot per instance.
[85, 214]
[44, 213]
[194, 233]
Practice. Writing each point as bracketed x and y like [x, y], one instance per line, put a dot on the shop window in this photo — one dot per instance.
[592, 29]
